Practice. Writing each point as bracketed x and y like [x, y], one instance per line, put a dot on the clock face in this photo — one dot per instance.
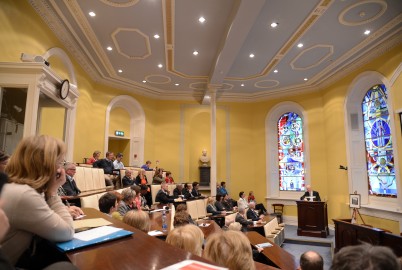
[64, 89]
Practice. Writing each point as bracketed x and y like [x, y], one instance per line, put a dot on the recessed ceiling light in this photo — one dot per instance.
[156, 36]
[144, 81]
[251, 55]
[195, 52]
[201, 19]
[177, 84]
[109, 48]
[275, 71]
[274, 24]
[300, 45]
[367, 32]
[120, 70]
[242, 84]
[305, 79]
[92, 14]
[160, 66]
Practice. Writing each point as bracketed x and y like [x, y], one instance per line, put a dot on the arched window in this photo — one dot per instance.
[290, 152]
[378, 142]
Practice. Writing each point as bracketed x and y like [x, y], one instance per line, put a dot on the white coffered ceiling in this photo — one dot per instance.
[332, 34]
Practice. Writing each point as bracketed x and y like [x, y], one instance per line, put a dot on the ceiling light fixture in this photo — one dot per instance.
[275, 71]
[251, 55]
[367, 32]
[274, 25]
[300, 45]
[195, 52]
[92, 14]
[201, 19]
[120, 71]
[156, 36]
[305, 79]
[109, 48]
[160, 66]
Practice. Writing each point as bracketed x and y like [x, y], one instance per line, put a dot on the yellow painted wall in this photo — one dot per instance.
[22, 30]
[52, 122]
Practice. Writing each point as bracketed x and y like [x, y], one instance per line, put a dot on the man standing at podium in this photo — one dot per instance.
[310, 195]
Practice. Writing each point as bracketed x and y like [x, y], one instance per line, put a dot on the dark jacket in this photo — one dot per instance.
[315, 193]
[70, 187]
[106, 165]
[163, 197]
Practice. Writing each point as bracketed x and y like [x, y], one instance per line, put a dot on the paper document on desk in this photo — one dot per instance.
[155, 233]
[193, 265]
[264, 245]
[92, 237]
[90, 223]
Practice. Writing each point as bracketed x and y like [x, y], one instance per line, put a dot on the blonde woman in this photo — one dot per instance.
[30, 198]
[188, 237]
[141, 178]
[230, 249]
[138, 219]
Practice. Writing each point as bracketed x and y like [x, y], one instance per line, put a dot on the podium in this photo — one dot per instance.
[312, 219]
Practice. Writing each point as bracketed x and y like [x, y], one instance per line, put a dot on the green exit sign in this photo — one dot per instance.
[119, 133]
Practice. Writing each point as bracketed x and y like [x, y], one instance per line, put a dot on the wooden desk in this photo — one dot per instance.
[278, 256]
[259, 227]
[139, 251]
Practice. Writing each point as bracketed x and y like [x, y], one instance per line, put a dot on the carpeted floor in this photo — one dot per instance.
[297, 245]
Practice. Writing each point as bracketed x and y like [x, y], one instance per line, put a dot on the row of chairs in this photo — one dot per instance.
[275, 232]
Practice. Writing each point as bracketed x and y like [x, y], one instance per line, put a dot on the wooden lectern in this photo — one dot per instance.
[312, 219]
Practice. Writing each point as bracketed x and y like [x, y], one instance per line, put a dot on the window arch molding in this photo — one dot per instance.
[355, 150]
[271, 142]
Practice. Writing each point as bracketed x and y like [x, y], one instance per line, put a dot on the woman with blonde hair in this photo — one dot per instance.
[141, 178]
[188, 237]
[138, 219]
[230, 249]
[30, 198]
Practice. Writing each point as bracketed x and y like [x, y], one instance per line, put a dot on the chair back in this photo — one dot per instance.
[154, 191]
[201, 208]
[192, 209]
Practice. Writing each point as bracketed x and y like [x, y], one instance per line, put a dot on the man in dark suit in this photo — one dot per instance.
[188, 191]
[241, 218]
[252, 214]
[70, 187]
[310, 193]
[178, 191]
[196, 193]
[107, 165]
[163, 195]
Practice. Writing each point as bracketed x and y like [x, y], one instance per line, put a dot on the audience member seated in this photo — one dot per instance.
[95, 157]
[212, 209]
[138, 219]
[138, 200]
[146, 197]
[117, 163]
[141, 178]
[365, 257]
[182, 208]
[222, 189]
[169, 178]
[31, 202]
[188, 237]
[69, 188]
[242, 219]
[127, 202]
[178, 191]
[242, 200]
[158, 178]
[235, 226]
[127, 180]
[258, 206]
[147, 165]
[188, 192]
[163, 196]
[311, 260]
[181, 219]
[252, 214]
[107, 165]
[108, 203]
[196, 193]
[230, 249]
[219, 203]
[218, 188]
[227, 202]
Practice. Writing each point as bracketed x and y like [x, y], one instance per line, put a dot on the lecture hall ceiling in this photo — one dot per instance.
[149, 47]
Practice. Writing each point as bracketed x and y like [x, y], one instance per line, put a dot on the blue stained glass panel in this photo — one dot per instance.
[378, 142]
[291, 152]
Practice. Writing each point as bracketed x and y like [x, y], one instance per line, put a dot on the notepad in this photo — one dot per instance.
[193, 265]
[264, 245]
[155, 233]
[92, 237]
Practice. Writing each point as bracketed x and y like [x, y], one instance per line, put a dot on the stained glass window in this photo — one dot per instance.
[377, 136]
[290, 152]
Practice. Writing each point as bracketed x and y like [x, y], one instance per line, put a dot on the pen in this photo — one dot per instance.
[67, 203]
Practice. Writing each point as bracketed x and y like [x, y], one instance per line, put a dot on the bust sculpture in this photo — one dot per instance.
[204, 159]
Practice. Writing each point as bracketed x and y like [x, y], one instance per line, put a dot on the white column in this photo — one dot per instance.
[212, 93]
